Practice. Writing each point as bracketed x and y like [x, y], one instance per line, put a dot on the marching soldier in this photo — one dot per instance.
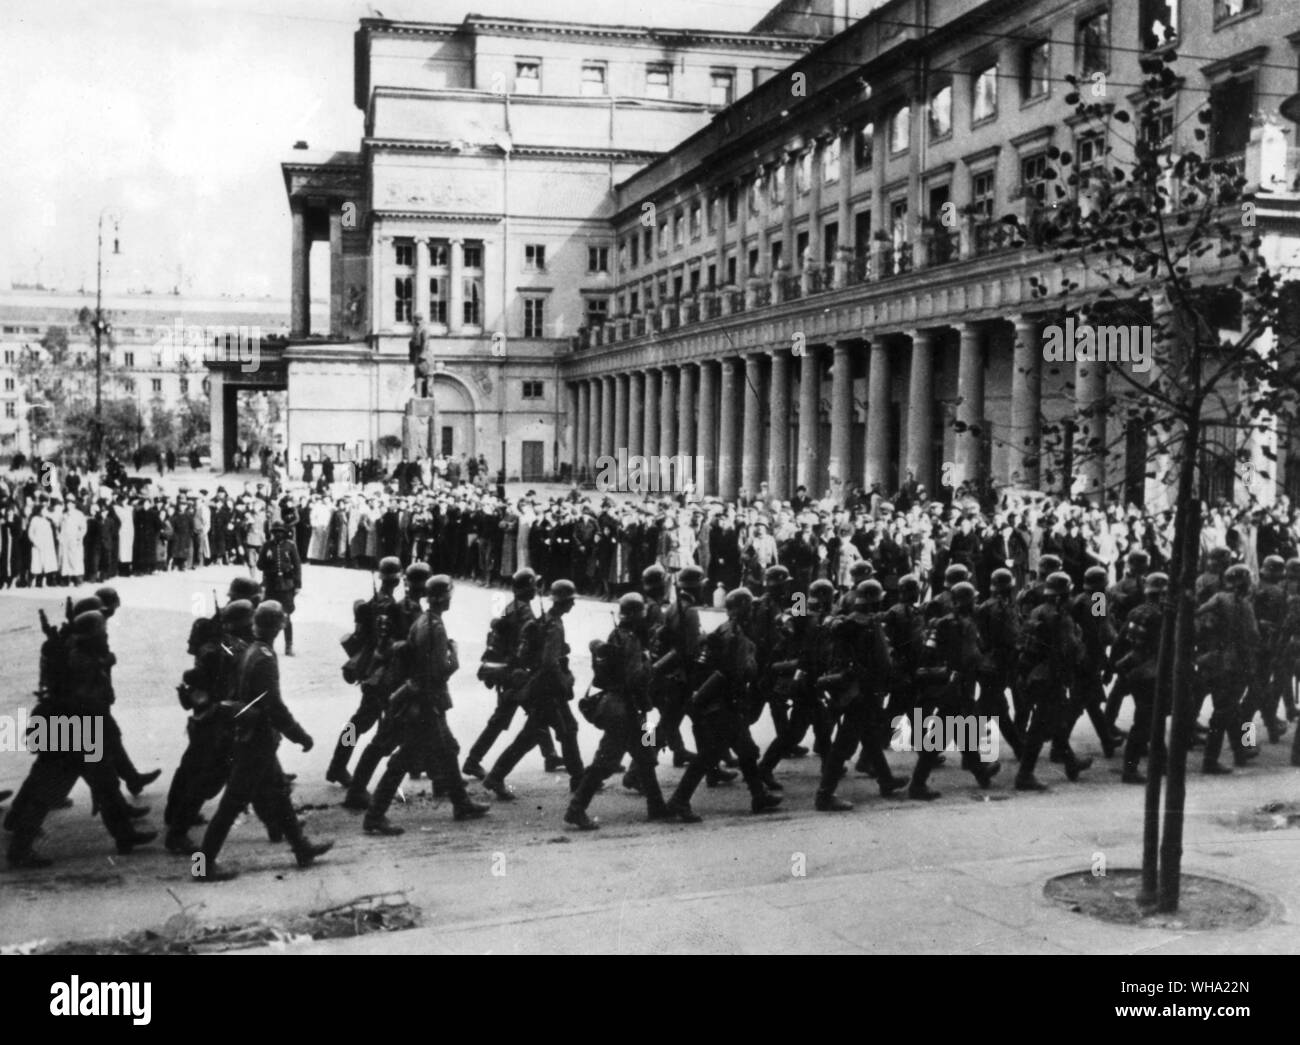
[1137, 649]
[718, 711]
[1121, 599]
[675, 649]
[904, 626]
[543, 659]
[941, 605]
[1088, 693]
[420, 716]
[1034, 594]
[1228, 644]
[1053, 649]
[998, 621]
[281, 576]
[135, 781]
[622, 671]
[768, 628]
[1269, 677]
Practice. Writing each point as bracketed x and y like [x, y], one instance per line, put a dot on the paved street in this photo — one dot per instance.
[962, 875]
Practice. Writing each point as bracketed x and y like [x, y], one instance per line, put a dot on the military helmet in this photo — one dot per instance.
[1138, 559]
[821, 590]
[1048, 564]
[269, 616]
[861, 570]
[109, 597]
[631, 606]
[390, 566]
[869, 593]
[244, 588]
[563, 591]
[1293, 569]
[909, 585]
[1095, 578]
[963, 594]
[279, 526]
[1218, 556]
[1237, 574]
[776, 576]
[88, 604]
[1273, 568]
[417, 573]
[524, 582]
[438, 586]
[690, 578]
[739, 599]
[955, 574]
[89, 622]
[654, 579]
[238, 613]
[1002, 579]
[1058, 583]
[1155, 583]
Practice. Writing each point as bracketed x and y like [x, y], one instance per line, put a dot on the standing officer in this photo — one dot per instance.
[1053, 649]
[543, 658]
[1228, 644]
[623, 672]
[718, 711]
[281, 576]
[255, 773]
[421, 717]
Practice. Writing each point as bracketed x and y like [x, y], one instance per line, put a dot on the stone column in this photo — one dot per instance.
[336, 268]
[456, 286]
[878, 381]
[595, 414]
[841, 419]
[764, 269]
[571, 425]
[970, 411]
[607, 417]
[778, 456]
[809, 421]
[686, 412]
[727, 480]
[721, 232]
[1090, 429]
[620, 412]
[755, 411]
[635, 411]
[743, 185]
[582, 464]
[1026, 404]
[668, 413]
[815, 206]
[379, 246]
[651, 428]
[920, 410]
[300, 313]
[706, 443]
[420, 299]
[789, 262]
[844, 209]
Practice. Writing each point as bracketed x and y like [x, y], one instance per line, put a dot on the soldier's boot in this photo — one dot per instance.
[127, 842]
[337, 773]
[382, 826]
[632, 778]
[919, 787]
[305, 851]
[358, 797]
[495, 783]
[1105, 734]
[1295, 748]
[385, 792]
[826, 800]
[588, 785]
[465, 808]
[178, 842]
[25, 832]
[761, 800]
[1074, 765]
[885, 779]
[288, 639]
[717, 776]
[1210, 764]
[142, 780]
[579, 819]
[1132, 766]
[1025, 779]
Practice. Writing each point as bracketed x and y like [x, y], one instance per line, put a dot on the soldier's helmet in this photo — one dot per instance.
[739, 600]
[417, 573]
[861, 570]
[1002, 580]
[563, 592]
[1238, 575]
[89, 604]
[654, 580]
[279, 526]
[631, 607]
[1138, 560]
[244, 588]
[868, 595]
[776, 578]
[955, 574]
[109, 597]
[1058, 583]
[963, 595]
[1273, 568]
[1048, 564]
[1095, 578]
[390, 566]
[438, 587]
[1155, 584]
[268, 617]
[237, 613]
[690, 579]
[821, 591]
[90, 622]
[909, 587]
[1219, 557]
[1293, 569]
[524, 582]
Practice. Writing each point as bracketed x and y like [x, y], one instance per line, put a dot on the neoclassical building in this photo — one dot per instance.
[777, 252]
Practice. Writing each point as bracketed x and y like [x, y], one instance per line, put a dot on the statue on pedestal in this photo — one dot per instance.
[420, 360]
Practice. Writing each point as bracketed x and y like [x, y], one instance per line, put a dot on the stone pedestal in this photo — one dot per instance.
[420, 428]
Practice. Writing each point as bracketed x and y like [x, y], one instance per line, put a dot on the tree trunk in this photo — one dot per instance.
[1182, 679]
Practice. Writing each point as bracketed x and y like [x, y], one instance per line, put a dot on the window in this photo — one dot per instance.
[864, 146]
[663, 238]
[597, 311]
[528, 76]
[185, 386]
[1228, 9]
[658, 81]
[534, 316]
[1092, 44]
[534, 389]
[473, 255]
[9, 357]
[402, 299]
[776, 254]
[128, 359]
[1090, 156]
[156, 385]
[472, 303]
[405, 254]
[534, 257]
[679, 229]
[984, 95]
[831, 161]
[438, 299]
[11, 410]
[695, 279]
[830, 242]
[803, 171]
[722, 87]
[1232, 106]
[731, 271]
[941, 112]
[751, 262]
[9, 384]
[733, 205]
[1158, 131]
[697, 221]
[1035, 70]
[1033, 176]
[598, 259]
[1158, 22]
[778, 183]
[438, 253]
[898, 221]
[593, 79]
[634, 302]
[900, 129]
[128, 384]
[982, 195]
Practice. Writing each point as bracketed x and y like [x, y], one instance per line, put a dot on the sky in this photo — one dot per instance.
[174, 115]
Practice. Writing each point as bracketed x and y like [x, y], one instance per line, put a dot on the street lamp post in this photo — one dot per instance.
[99, 330]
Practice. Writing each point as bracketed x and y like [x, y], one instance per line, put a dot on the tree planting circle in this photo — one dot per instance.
[1203, 903]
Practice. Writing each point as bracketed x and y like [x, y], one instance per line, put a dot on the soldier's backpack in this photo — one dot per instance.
[498, 652]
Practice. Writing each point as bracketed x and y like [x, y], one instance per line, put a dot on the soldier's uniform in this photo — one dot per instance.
[998, 621]
[1136, 652]
[1228, 644]
[676, 647]
[904, 624]
[1269, 675]
[1088, 694]
[281, 576]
